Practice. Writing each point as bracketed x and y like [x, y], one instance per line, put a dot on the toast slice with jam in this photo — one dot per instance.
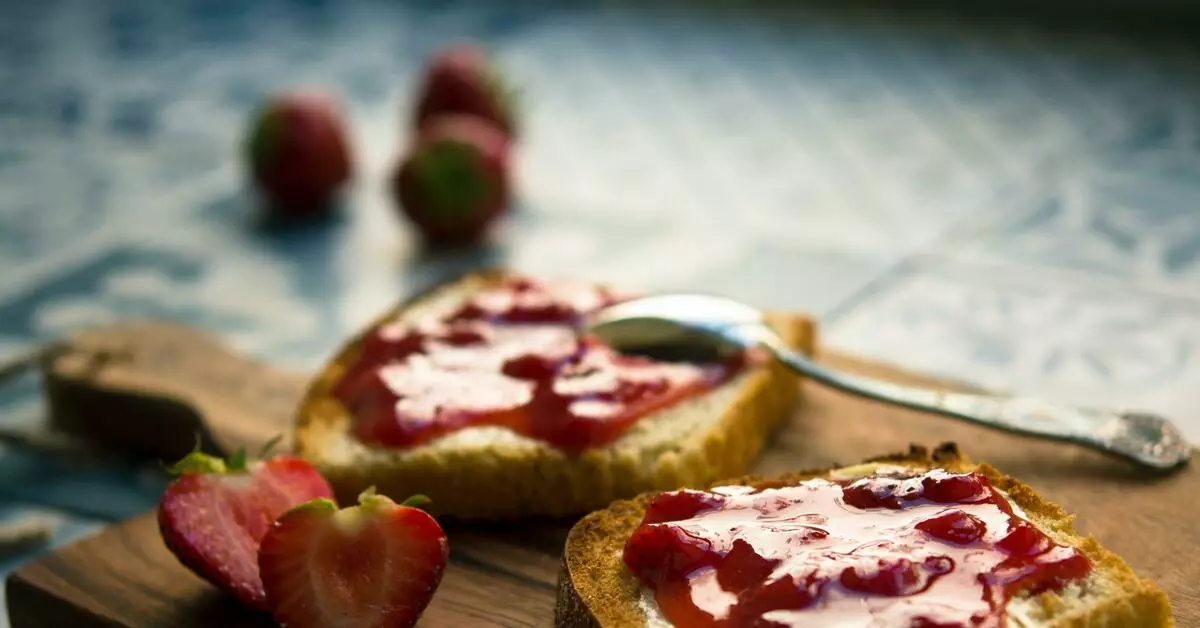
[920, 539]
[483, 395]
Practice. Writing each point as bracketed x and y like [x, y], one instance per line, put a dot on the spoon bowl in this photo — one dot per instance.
[703, 324]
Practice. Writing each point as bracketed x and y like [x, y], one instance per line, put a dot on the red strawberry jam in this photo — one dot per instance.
[511, 356]
[938, 549]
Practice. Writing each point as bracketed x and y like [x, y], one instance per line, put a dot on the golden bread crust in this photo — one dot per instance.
[596, 591]
[505, 481]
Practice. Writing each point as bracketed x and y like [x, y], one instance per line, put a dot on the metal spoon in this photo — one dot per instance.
[720, 325]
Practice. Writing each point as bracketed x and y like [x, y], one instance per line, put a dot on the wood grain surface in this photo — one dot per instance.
[504, 575]
[151, 388]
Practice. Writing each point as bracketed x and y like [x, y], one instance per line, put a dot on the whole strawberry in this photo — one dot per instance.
[461, 79]
[374, 565]
[213, 516]
[454, 181]
[298, 153]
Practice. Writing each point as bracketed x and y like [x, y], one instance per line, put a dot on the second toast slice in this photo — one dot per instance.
[868, 519]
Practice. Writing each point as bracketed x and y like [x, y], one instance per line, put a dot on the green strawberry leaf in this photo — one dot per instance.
[451, 176]
[236, 461]
[370, 499]
[416, 501]
[265, 138]
[197, 461]
[320, 504]
[269, 446]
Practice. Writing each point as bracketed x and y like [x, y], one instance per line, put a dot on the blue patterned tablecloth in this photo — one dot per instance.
[996, 202]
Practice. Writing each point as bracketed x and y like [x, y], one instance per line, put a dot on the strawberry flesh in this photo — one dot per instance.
[375, 565]
[213, 522]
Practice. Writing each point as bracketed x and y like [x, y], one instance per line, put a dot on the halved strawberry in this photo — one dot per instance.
[374, 565]
[215, 514]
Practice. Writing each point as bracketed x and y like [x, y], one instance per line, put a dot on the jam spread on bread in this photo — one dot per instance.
[510, 356]
[935, 549]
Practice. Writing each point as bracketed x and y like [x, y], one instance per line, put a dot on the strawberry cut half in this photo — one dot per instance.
[374, 565]
[213, 516]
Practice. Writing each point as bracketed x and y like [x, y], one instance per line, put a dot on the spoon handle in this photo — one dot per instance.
[1147, 439]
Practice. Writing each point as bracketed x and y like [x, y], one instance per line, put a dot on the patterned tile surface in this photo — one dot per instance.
[1003, 203]
[1132, 216]
[1082, 341]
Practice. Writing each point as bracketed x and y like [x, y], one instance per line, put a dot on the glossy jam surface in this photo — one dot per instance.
[511, 356]
[932, 550]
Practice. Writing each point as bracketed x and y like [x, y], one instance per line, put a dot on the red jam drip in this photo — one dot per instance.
[933, 550]
[511, 357]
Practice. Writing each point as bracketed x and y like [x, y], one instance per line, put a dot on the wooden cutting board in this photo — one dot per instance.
[504, 575]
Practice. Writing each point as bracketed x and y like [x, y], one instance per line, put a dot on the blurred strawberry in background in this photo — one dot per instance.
[450, 183]
[298, 153]
[454, 181]
[462, 79]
